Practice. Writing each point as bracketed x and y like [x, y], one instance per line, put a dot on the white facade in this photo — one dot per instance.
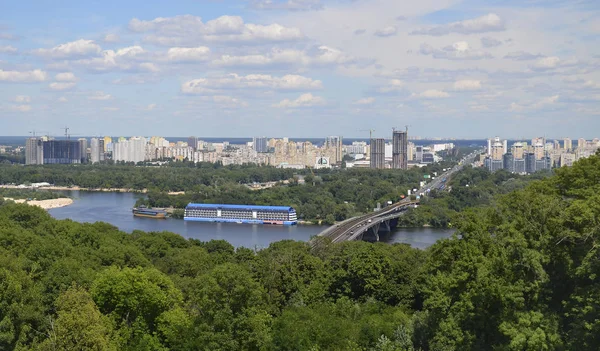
[96, 151]
[132, 150]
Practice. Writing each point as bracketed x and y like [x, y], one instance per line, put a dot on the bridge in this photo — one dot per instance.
[368, 226]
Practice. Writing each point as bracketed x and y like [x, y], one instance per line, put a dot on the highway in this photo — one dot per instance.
[351, 229]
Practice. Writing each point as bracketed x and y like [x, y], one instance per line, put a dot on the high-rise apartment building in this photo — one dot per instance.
[132, 150]
[556, 145]
[378, 153]
[34, 151]
[497, 151]
[193, 142]
[335, 143]
[400, 150]
[61, 152]
[107, 144]
[539, 150]
[581, 144]
[83, 149]
[96, 150]
[567, 144]
[260, 144]
[419, 153]
[518, 151]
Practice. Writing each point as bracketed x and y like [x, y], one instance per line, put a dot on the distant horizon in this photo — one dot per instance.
[332, 67]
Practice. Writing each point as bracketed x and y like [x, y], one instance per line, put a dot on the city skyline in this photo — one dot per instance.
[246, 68]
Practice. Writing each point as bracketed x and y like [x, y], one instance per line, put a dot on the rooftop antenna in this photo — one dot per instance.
[67, 133]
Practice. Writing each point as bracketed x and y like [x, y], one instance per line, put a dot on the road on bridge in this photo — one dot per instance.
[351, 229]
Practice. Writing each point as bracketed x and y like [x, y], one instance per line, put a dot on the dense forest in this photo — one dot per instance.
[29, 194]
[520, 274]
[472, 187]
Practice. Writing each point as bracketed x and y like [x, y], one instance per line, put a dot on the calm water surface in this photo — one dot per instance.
[115, 208]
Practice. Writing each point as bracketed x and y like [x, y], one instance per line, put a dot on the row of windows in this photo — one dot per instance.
[240, 215]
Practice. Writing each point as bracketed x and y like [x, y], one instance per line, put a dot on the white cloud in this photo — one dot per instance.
[188, 29]
[260, 81]
[432, 94]
[62, 99]
[111, 38]
[488, 23]
[305, 100]
[112, 109]
[551, 100]
[99, 95]
[386, 32]
[291, 5]
[522, 56]
[61, 85]
[489, 42]
[546, 63]
[188, 54]
[467, 85]
[393, 85]
[23, 76]
[22, 99]
[20, 108]
[150, 107]
[323, 55]
[457, 51]
[8, 50]
[591, 85]
[75, 48]
[65, 77]
[365, 101]
[126, 59]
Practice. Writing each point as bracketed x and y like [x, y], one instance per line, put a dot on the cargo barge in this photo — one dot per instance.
[149, 212]
[279, 215]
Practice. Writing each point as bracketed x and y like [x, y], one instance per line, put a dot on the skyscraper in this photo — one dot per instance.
[568, 144]
[419, 153]
[34, 151]
[96, 150]
[581, 144]
[378, 153]
[518, 151]
[193, 142]
[400, 150]
[260, 144]
[83, 145]
[61, 152]
[497, 151]
[335, 142]
[132, 150]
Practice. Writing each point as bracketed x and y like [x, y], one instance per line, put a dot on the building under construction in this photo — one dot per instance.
[400, 150]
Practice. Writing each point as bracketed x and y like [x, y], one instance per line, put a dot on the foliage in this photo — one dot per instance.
[520, 274]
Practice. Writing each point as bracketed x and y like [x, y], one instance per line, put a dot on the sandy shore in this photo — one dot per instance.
[63, 188]
[45, 204]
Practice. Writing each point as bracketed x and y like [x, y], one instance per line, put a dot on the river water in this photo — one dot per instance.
[115, 208]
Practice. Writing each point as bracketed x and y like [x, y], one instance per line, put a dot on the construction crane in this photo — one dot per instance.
[370, 132]
[67, 136]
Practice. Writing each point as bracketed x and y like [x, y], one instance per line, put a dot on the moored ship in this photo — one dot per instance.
[280, 215]
[149, 212]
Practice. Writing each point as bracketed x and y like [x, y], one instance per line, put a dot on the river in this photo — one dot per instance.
[115, 208]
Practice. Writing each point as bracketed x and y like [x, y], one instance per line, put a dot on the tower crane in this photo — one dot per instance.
[370, 132]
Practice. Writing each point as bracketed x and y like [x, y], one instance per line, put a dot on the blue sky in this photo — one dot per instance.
[301, 68]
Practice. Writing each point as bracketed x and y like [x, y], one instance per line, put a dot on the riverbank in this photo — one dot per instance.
[45, 204]
[76, 188]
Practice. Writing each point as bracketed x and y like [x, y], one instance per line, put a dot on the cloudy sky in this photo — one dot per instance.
[301, 68]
